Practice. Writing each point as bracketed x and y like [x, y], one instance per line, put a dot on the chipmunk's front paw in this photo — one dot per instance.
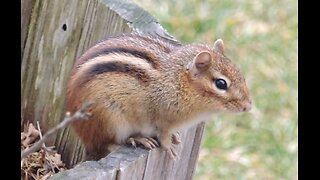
[171, 152]
[147, 142]
[167, 141]
[176, 139]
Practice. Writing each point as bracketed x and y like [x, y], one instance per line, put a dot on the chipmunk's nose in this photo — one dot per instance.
[247, 106]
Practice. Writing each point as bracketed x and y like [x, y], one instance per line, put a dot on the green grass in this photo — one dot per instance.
[261, 38]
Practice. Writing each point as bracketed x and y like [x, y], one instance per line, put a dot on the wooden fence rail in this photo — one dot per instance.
[56, 32]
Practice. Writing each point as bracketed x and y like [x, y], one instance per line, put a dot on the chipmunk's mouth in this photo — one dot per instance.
[239, 107]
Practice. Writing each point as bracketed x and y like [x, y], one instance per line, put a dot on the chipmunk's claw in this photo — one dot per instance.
[171, 152]
[147, 142]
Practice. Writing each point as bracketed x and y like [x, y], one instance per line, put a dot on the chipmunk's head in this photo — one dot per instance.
[219, 83]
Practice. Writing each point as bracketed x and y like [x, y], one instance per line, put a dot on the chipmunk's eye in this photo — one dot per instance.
[221, 84]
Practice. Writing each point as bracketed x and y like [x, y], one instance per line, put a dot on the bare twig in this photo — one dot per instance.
[40, 134]
[47, 149]
[79, 115]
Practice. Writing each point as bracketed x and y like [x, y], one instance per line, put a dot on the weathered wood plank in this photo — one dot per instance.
[139, 19]
[132, 164]
[87, 171]
[26, 9]
[195, 149]
[51, 46]
[123, 164]
[48, 55]
[137, 163]
[180, 168]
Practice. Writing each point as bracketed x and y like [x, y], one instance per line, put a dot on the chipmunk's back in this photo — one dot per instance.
[145, 47]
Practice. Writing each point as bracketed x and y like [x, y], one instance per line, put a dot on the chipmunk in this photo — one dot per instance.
[146, 89]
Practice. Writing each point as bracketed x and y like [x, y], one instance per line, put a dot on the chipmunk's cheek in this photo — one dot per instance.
[233, 106]
[223, 106]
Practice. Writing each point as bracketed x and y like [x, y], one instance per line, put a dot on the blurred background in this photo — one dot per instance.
[261, 38]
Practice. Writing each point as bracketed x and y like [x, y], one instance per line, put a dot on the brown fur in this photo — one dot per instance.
[149, 87]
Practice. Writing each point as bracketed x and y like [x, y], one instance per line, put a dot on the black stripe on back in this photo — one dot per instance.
[119, 67]
[133, 52]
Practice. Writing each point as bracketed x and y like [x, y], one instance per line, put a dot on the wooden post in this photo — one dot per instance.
[54, 34]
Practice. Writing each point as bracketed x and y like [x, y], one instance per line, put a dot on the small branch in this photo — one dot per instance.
[79, 115]
[48, 149]
[40, 133]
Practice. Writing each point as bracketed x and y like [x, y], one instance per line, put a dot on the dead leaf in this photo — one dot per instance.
[39, 165]
[45, 177]
[29, 135]
[56, 159]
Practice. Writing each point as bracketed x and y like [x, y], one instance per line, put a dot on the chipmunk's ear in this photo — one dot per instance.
[201, 63]
[219, 46]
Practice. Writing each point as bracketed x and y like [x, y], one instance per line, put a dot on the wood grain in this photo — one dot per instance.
[128, 163]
